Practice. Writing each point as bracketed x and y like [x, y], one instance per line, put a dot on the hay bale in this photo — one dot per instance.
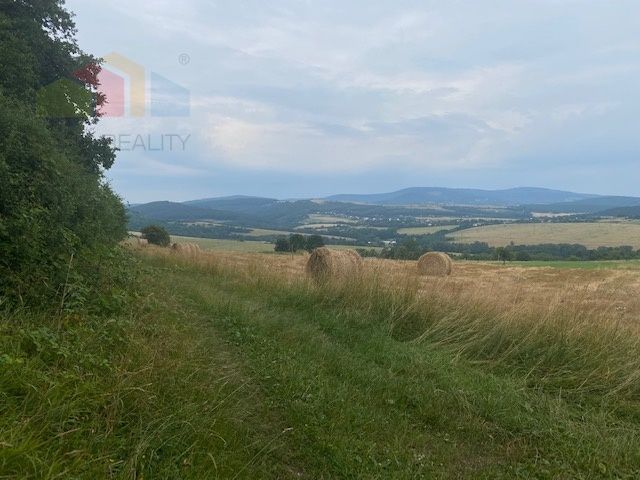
[324, 264]
[435, 264]
[190, 250]
[143, 242]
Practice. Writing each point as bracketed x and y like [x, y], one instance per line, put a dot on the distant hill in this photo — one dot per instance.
[171, 211]
[238, 203]
[465, 196]
[627, 212]
[270, 213]
[597, 205]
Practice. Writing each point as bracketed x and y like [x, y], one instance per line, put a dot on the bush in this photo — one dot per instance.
[283, 245]
[156, 235]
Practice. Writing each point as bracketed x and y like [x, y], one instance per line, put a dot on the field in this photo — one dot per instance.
[327, 219]
[235, 365]
[591, 235]
[243, 246]
[589, 265]
[261, 232]
[424, 230]
[226, 245]
[593, 287]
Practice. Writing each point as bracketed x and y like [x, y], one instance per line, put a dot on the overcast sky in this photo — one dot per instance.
[294, 98]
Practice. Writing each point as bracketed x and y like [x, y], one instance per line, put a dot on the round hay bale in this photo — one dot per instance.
[143, 242]
[435, 264]
[190, 250]
[324, 264]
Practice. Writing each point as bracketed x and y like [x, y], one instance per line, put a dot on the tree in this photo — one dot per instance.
[57, 212]
[313, 242]
[523, 256]
[298, 242]
[156, 235]
[504, 255]
[283, 245]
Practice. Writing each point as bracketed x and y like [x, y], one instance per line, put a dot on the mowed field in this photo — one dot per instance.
[591, 235]
[603, 288]
[494, 372]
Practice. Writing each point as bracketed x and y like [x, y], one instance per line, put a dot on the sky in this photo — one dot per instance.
[305, 98]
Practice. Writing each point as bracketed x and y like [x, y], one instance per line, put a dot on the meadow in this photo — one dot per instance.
[591, 235]
[226, 245]
[235, 365]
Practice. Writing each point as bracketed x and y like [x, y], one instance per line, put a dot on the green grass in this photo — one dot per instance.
[588, 265]
[226, 374]
[248, 246]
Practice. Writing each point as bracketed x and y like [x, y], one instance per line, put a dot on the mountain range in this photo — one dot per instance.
[465, 196]
[417, 202]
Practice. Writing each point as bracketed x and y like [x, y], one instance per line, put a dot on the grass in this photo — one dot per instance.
[243, 373]
[591, 235]
[227, 245]
[246, 246]
[586, 265]
[331, 219]
[261, 232]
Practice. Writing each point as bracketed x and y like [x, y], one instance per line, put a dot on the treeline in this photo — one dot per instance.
[297, 242]
[59, 219]
[413, 248]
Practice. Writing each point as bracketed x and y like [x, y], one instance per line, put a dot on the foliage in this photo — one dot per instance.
[282, 245]
[503, 254]
[313, 242]
[296, 242]
[56, 210]
[156, 235]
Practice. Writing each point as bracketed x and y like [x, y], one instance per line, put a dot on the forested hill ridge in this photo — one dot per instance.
[516, 203]
[465, 196]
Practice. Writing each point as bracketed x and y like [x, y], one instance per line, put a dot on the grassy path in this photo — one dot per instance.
[355, 403]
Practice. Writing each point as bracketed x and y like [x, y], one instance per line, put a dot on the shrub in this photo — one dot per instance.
[156, 235]
[283, 245]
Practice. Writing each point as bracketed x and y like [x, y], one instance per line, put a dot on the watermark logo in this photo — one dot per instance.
[163, 142]
[119, 87]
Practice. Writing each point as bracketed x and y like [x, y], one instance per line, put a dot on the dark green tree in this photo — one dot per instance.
[298, 242]
[156, 235]
[57, 212]
[504, 255]
[283, 245]
[313, 242]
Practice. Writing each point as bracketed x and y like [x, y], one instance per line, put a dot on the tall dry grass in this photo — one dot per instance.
[566, 331]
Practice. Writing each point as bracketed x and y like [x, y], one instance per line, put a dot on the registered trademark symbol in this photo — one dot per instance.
[184, 59]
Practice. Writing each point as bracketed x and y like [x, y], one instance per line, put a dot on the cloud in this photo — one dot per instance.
[431, 87]
[436, 142]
